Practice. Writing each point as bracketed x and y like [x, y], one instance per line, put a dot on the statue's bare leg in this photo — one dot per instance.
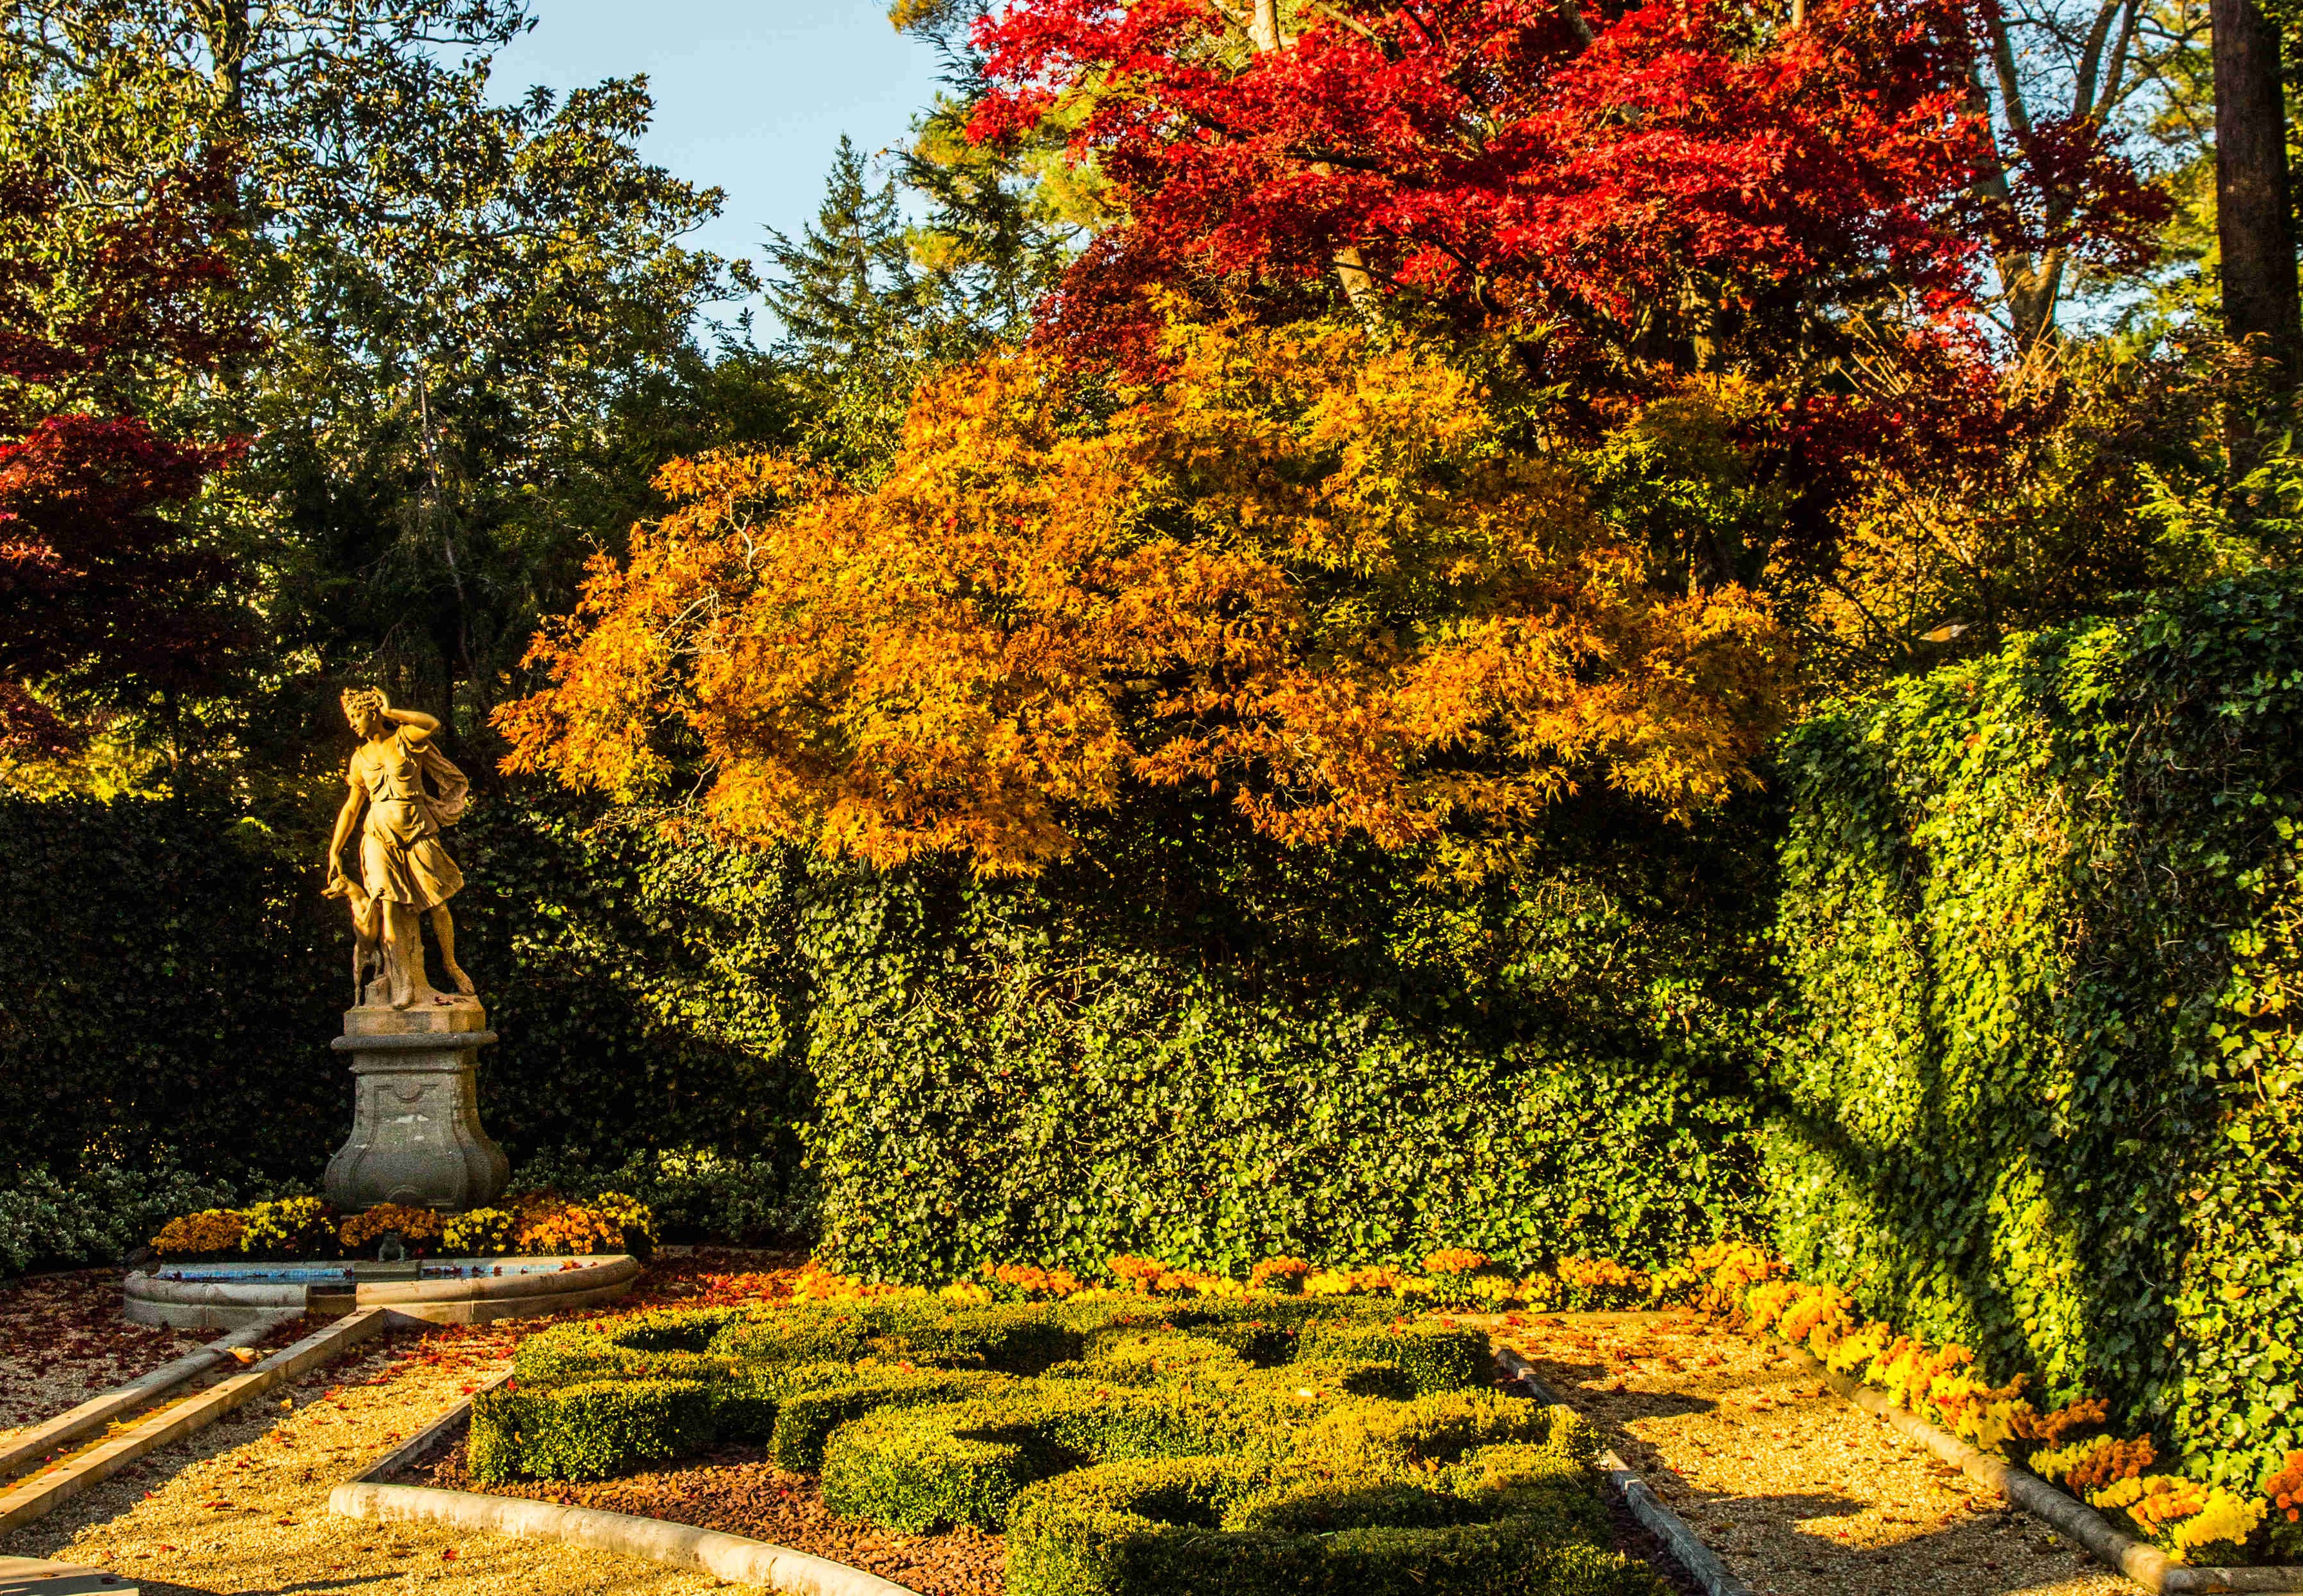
[443, 928]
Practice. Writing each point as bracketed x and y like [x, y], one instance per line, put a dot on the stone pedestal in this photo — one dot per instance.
[415, 1118]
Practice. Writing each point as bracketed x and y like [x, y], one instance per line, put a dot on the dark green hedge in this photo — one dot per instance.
[1186, 1045]
[175, 979]
[2029, 902]
[1152, 1459]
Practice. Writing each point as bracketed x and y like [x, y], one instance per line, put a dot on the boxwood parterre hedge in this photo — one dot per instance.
[1123, 1445]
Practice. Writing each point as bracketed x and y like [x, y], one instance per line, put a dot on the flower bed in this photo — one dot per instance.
[1124, 1444]
[533, 1224]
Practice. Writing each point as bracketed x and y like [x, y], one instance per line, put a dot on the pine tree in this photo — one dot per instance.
[848, 285]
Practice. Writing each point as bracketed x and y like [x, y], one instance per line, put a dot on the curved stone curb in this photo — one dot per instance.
[25, 1446]
[1665, 1525]
[2141, 1562]
[222, 1304]
[733, 1558]
[42, 1492]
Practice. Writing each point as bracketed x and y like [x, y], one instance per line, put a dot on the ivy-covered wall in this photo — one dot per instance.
[2037, 1091]
[1182, 1043]
[1188, 1044]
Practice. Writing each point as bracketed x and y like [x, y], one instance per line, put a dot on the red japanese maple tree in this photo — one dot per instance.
[105, 588]
[1647, 187]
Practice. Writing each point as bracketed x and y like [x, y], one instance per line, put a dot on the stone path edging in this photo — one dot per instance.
[42, 1492]
[2138, 1560]
[1665, 1525]
[733, 1557]
[35, 1577]
[22, 1446]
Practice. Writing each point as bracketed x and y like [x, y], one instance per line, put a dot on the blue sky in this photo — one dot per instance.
[750, 96]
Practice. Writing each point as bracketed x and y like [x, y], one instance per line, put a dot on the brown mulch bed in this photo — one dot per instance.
[62, 1340]
[735, 1490]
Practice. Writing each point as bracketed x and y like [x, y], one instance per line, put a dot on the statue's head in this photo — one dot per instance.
[364, 708]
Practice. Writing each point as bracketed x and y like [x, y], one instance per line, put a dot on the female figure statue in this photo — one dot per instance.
[404, 871]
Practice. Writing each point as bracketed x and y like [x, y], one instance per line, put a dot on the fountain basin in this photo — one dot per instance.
[446, 1290]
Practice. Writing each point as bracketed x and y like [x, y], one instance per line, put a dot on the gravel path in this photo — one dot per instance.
[1799, 1492]
[242, 1506]
[62, 1340]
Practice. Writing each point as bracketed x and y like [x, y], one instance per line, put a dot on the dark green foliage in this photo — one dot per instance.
[1252, 1051]
[1261, 1051]
[173, 983]
[1199, 1472]
[921, 1469]
[176, 977]
[2039, 914]
[1521, 1519]
[588, 1431]
[806, 1420]
[1435, 1358]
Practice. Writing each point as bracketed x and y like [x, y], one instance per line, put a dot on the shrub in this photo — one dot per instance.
[591, 1430]
[301, 1227]
[548, 1224]
[478, 1233]
[211, 1233]
[1306, 1470]
[106, 1213]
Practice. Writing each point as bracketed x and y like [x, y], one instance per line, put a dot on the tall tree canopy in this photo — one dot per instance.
[472, 305]
[1692, 184]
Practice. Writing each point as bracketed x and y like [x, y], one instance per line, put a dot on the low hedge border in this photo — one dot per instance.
[1242, 1446]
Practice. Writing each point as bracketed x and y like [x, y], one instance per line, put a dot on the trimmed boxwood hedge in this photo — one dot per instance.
[1126, 1446]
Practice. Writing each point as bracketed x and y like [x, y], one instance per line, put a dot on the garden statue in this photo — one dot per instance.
[416, 1133]
[405, 872]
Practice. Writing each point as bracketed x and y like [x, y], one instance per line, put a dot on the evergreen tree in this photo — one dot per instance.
[1003, 219]
[848, 285]
[857, 332]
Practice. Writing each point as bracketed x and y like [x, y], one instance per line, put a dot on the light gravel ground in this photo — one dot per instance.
[242, 1506]
[1800, 1492]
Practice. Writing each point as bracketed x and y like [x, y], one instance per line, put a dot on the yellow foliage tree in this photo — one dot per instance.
[1303, 572]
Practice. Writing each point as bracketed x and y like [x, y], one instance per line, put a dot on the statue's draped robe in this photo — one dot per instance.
[401, 861]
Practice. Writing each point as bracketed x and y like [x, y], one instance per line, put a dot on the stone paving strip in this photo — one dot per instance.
[62, 1340]
[241, 1508]
[20, 1448]
[1799, 1492]
[43, 1491]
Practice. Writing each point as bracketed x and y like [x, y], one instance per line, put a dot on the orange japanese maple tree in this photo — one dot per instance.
[1302, 572]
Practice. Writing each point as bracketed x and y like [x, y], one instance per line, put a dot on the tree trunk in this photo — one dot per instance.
[2253, 224]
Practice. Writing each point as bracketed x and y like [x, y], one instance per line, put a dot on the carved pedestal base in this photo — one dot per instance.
[415, 1118]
